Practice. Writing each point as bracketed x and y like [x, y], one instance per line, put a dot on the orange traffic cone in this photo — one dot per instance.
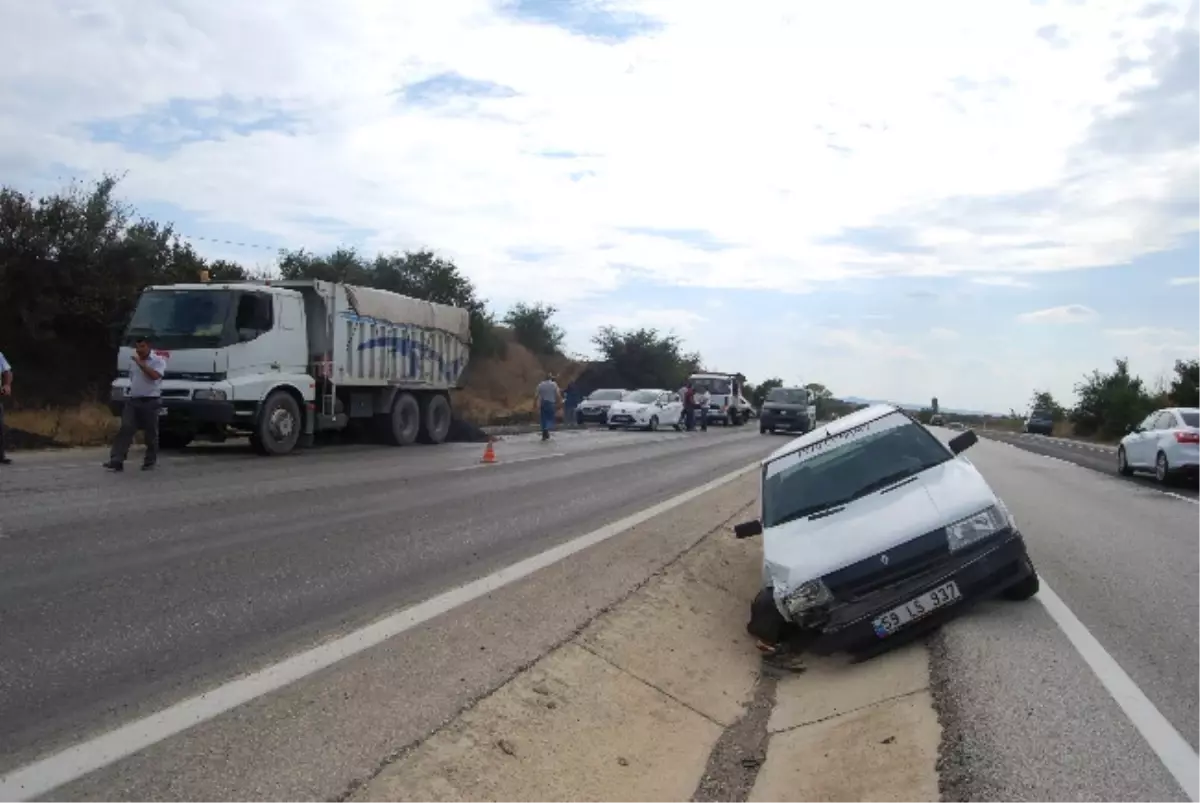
[489, 454]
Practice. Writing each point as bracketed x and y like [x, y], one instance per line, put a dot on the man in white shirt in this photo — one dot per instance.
[146, 371]
[547, 398]
[703, 398]
[5, 390]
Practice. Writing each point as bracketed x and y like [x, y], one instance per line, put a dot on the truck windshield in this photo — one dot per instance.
[788, 396]
[181, 319]
[848, 466]
[717, 386]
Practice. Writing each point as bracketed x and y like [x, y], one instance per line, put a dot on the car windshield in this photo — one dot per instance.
[1041, 415]
[643, 396]
[606, 395]
[848, 466]
[718, 386]
[788, 396]
[181, 319]
[1191, 419]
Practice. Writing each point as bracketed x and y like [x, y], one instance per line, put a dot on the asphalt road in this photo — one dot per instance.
[122, 593]
[1026, 718]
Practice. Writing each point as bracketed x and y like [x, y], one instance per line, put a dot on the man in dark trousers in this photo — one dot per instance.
[146, 371]
[5, 390]
[689, 407]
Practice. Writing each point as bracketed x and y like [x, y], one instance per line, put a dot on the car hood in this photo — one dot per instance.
[598, 402]
[627, 407]
[797, 408]
[804, 550]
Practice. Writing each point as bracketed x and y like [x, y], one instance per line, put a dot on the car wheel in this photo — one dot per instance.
[1162, 469]
[612, 427]
[653, 425]
[1122, 463]
[1025, 589]
[762, 430]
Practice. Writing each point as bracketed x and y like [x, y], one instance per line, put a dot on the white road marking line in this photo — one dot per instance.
[508, 462]
[1172, 749]
[47, 774]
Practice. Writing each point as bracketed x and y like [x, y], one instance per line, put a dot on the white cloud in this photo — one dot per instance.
[1070, 313]
[940, 333]
[977, 144]
[946, 139]
[1002, 281]
[1179, 281]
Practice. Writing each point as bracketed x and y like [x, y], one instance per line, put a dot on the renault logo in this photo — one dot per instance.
[883, 559]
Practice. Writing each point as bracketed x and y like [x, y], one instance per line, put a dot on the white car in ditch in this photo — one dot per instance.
[875, 531]
[647, 409]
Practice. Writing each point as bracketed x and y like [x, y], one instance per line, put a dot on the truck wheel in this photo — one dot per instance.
[401, 426]
[435, 419]
[279, 425]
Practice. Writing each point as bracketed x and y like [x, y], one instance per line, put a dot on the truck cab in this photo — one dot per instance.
[725, 394]
[227, 346]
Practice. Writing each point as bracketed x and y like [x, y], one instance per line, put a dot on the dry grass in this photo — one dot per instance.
[498, 392]
[85, 425]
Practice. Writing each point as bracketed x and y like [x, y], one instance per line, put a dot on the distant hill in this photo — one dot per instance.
[918, 407]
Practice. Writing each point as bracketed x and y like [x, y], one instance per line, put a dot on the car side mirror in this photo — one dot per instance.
[1132, 428]
[748, 529]
[960, 443]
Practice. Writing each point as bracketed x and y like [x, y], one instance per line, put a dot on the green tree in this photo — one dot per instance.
[1044, 400]
[72, 265]
[1110, 403]
[533, 328]
[1185, 387]
[644, 358]
[761, 390]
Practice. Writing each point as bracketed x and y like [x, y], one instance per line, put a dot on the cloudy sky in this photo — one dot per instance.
[899, 200]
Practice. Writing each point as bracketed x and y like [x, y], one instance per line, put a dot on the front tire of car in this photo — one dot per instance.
[653, 425]
[1123, 463]
[1025, 589]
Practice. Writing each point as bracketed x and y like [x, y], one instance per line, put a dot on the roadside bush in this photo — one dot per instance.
[1110, 403]
[533, 329]
[644, 358]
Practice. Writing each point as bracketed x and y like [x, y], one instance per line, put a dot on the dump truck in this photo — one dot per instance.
[281, 361]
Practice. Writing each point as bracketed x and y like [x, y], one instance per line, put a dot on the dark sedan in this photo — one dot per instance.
[1040, 423]
[595, 407]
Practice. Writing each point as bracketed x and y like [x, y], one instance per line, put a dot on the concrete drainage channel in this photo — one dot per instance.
[664, 697]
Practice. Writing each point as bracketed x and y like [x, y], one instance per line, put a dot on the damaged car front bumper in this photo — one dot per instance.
[852, 622]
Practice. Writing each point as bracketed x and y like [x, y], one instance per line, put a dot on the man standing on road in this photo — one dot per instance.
[570, 405]
[547, 398]
[5, 390]
[146, 371]
[702, 401]
[689, 407]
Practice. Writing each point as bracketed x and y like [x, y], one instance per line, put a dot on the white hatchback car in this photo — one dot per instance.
[1167, 442]
[874, 531]
[647, 409]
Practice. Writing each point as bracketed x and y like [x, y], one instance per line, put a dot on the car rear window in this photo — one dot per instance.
[1190, 419]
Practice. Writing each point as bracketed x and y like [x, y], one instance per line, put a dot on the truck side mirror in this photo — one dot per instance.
[747, 529]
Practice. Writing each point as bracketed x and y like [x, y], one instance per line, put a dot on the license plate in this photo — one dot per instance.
[162, 410]
[927, 603]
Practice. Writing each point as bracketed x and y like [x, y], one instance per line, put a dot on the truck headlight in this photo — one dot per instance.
[210, 394]
[976, 527]
[805, 596]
